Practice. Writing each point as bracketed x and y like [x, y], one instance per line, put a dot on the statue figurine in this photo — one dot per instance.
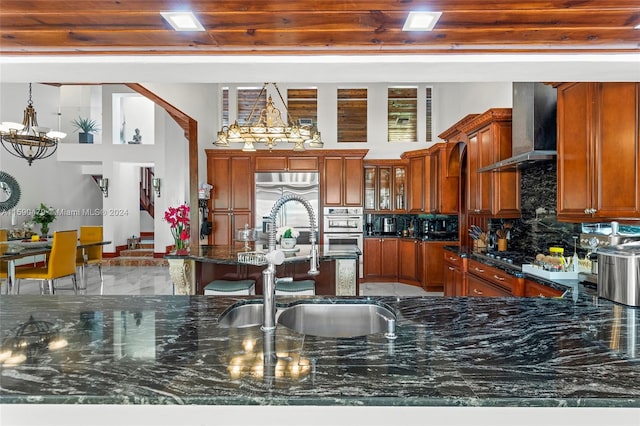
[137, 137]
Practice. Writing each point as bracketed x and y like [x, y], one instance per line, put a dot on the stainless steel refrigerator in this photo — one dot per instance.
[271, 186]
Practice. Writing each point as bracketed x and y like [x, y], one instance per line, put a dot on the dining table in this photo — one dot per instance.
[12, 250]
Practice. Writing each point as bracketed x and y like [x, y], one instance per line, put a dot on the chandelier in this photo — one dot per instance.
[268, 128]
[28, 140]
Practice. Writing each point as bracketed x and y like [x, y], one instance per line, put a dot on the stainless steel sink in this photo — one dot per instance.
[238, 316]
[339, 320]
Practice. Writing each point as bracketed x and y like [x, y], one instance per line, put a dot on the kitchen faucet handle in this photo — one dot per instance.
[275, 257]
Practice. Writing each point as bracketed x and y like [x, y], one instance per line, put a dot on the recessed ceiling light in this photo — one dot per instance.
[183, 21]
[421, 21]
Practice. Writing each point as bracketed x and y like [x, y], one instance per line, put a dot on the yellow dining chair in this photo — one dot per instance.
[61, 263]
[92, 255]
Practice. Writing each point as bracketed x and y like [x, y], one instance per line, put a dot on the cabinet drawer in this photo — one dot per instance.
[453, 259]
[493, 275]
[477, 287]
[533, 289]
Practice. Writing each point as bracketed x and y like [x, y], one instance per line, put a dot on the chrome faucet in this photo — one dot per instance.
[276, 257]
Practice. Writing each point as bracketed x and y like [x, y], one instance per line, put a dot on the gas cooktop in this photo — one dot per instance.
[508, 258]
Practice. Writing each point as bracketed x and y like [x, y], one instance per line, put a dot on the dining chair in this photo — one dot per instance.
[90, 256]
[61, 263]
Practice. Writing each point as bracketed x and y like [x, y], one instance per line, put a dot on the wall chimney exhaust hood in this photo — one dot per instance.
[533, 126]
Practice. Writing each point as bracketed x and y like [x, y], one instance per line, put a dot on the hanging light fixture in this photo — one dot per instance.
[269, 128]
[28, 140]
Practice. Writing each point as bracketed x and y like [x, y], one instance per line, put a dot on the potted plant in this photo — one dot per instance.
[43, 216]
[287, 236]
[86, 128]
[178, 219]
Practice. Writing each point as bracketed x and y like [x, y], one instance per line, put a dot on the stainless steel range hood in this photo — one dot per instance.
[533, 127]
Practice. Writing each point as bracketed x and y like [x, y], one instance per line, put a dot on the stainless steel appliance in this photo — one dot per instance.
[389, 225]
[619, 273]
[272, 186]
[343, 226]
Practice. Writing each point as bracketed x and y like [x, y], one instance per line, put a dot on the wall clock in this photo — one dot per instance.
[9, 192]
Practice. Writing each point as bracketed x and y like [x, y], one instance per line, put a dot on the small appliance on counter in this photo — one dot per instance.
[619, 273]
[389, 225]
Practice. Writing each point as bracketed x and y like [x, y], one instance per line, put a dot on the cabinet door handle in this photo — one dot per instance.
[498, 277]
[453, 259]
[477, 292]
[479, 270]
[541, 295]
[451, 268]
[586, 211]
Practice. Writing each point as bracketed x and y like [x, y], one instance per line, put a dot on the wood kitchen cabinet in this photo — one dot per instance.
[432, 276]
[409, 261]
[380, 259]
[343, 179]
[423, 185]
[286, 163]
[486, 280]
[454, 274]
[385, 186]
[491, 193]
[534, 289]
[598, 151]
[231, 198]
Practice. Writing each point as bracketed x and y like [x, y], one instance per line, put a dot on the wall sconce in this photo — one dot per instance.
[103, 183]
[155, 182]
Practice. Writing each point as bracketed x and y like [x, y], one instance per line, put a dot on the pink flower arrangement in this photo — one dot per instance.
[178, 219]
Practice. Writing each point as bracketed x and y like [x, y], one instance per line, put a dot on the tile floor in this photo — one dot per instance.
[153, 280]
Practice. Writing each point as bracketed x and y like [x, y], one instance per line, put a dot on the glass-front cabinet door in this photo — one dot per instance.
[385, 188]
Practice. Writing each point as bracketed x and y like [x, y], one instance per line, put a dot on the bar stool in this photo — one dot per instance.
[289, 287]
[228, 288]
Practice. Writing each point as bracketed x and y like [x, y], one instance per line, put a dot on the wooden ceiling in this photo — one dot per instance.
[30, 27]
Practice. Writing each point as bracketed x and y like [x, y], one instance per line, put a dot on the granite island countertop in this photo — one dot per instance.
[492, 352]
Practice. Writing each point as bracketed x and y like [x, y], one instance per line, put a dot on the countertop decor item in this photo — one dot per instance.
[44, 216]
[287, 236]
[178, 219]
[28, 140]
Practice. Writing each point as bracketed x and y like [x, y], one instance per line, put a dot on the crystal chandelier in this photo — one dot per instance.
[28, 140]
[269, 128]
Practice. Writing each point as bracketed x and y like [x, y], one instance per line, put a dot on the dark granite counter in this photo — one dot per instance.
[492, 352]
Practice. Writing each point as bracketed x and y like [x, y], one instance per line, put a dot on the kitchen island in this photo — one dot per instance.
[338, 268]
[449, 352]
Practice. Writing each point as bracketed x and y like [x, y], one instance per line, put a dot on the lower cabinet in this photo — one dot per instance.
[432, 264]
[487, 281]
[454, 274]
[409, 261]
[534, 289]
[380, 261]
[481, 288]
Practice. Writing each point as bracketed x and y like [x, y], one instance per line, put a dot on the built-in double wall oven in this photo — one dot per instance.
[343, 226]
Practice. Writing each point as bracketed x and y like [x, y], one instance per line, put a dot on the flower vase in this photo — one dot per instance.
[288, 243]
[182, 248]
[44, 231]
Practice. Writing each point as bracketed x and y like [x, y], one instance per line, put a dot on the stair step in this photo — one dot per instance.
[141, 252]
[135, 261]
[147, 245]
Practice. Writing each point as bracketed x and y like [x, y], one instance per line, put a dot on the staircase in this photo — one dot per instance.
[141, 256]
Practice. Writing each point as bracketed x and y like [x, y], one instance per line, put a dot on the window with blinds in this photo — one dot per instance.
[429, 114]
[302, 105]
[352, 115]
[402, 114]
[250, 102]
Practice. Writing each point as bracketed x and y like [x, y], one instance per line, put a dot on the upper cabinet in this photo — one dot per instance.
[431, 188]
[342, 179]
[286, 164]
[385, 184]
[598, 151]
[495, 193]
